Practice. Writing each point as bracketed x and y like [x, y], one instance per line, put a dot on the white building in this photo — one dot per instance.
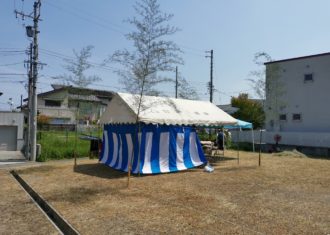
[297, 99]
[11, 131]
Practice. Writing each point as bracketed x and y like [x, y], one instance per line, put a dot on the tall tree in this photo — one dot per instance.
[249, 110]
[268, 86]
[77, 68]
[153, 53]
[185, 90]
[275, 92]
[258, 77]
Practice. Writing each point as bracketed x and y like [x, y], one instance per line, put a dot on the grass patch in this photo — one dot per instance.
[293, 153]
[61, 145]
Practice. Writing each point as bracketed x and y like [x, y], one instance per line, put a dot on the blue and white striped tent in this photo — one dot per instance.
[166, 142]
[162, 148]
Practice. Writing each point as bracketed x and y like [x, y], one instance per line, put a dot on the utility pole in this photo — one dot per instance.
[33, 75]
[30, 73]
[211, 87]
[176, 82]
[36, 16]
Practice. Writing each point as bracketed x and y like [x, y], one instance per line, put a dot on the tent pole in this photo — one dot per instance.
[139, 149]
[253, 140]
[238, 145]
[129, 171]
[129, 168]
[130, 160]
[223, 142]
[260, 147]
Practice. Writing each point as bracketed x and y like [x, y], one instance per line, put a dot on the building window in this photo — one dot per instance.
[308, 77]
[296, 117]
[53, 103]
[282, 117]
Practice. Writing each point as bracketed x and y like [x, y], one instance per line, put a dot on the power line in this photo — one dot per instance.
[12, 54]
[5, 65]
[11, 48]
[93, 16]
[67, 57]
[8, 81]
[11, 51]
[105, 24]
[14, 74]
[83, 17]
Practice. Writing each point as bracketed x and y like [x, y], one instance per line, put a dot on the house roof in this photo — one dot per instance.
[123, 109]
[79, 92]
[228, 108]
[298, 58]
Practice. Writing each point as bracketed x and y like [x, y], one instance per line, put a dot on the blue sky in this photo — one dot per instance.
[235, 30]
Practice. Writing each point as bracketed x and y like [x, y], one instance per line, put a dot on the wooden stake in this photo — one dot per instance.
[129, 174]
[76, 136]
[260, 147]
[139, 149]
[223, 142]
[238, 146]
[130, 162]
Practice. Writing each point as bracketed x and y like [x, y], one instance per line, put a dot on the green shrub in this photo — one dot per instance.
[61, 145]
[244, 146]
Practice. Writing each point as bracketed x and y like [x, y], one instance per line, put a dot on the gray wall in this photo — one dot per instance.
[16, 120]
[310, 99]
[307, 139]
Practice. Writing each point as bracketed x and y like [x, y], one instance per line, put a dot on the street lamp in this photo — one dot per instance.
[29, 31]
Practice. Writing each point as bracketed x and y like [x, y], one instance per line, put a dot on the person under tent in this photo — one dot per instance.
[220, 139]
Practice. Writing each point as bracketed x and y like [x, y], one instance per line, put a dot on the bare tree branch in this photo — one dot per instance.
[152, 54]
[77, 68]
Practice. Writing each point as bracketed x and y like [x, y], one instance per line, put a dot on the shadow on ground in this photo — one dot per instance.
[239, 168]
[99, 170]
[217, 159]
[14, 160]
[103, 171]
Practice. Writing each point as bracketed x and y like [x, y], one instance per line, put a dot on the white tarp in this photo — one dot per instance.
[163, 110]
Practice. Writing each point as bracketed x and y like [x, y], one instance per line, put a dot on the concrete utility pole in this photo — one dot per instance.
[211, 75]
[33, 76]
[30, 73]
[176, 82]
[36, 16]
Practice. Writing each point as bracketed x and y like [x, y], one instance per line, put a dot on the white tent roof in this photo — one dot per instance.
[163, 110]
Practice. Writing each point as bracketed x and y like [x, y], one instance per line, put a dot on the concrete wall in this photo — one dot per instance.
[14, 119]
[59, 112]
[310, 99]
[306, 139]
[67, 112]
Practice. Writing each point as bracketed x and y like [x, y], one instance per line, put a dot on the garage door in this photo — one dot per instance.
[8, 138]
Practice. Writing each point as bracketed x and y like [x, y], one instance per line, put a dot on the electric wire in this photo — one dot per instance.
[88, 19]
[91, 19]
[11, 64]
[66, 57]
[105, 24]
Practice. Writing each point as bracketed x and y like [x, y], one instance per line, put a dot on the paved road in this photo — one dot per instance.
[11, 157]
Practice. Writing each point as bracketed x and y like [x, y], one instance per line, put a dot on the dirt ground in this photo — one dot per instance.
[286, 195]
[18, 214]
